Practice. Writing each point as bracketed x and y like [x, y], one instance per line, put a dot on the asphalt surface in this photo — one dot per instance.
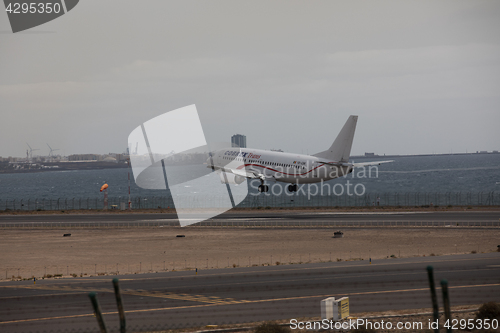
[240, 295]
[285, 218]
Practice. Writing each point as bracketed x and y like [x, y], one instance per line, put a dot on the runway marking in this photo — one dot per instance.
[215, 299]
[240, 302]
[283, 267]
[248, 219]
[40, 295]
[286, 270]
[140, 292]
[367, 213]
[346, 276]
[182, 297]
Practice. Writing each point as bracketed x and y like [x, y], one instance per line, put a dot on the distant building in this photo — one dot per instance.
[370, 154]
[239, 140]
[110, 159]
[84, 157]
[121, 157]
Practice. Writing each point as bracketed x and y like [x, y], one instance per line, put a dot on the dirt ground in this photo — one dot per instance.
[27, 253]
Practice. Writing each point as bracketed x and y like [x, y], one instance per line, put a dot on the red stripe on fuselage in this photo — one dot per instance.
[289, 174]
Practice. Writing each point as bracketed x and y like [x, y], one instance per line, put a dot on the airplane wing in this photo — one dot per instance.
[357, 165]
[238, 170]
[244, 173]
[339, 164]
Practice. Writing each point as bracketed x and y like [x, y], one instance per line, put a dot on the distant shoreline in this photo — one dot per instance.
[427, 155]
[99, 165]
[67, 166]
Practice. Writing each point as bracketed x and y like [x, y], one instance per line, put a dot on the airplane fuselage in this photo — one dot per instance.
[278, 166]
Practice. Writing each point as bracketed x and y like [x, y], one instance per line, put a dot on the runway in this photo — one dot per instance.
[240, 295]
[285, 218]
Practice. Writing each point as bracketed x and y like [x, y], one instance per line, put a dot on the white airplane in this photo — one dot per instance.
[237, 164]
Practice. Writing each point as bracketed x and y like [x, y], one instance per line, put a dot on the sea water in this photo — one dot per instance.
[472, 173]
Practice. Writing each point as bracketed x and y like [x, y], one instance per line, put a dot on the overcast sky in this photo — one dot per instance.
[423, 76]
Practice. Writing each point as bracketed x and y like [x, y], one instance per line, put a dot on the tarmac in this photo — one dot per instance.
[263, 218]
[170, 299]
[174, 300]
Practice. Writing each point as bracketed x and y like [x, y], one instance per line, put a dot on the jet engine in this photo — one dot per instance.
[230, 178]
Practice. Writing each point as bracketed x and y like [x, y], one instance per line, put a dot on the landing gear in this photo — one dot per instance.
[263, 188]
[292, 188]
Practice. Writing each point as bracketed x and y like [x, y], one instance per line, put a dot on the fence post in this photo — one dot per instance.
[433, 296]
[446, 303]
[98, 313]
[119, 303]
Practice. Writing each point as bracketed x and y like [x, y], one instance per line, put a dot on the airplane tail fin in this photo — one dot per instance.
[340, 150]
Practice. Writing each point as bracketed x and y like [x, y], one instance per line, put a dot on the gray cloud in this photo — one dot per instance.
[423, 76]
